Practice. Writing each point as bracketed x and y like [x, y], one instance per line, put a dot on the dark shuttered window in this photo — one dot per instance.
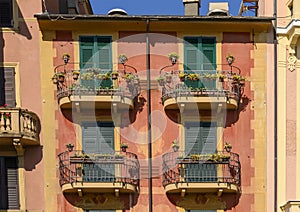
[7, 86]
[6, 13]
[200, 138]
[9, 195]
[98, 139]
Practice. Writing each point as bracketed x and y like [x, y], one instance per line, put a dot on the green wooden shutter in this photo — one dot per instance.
[98, 138]
[106, 137]
[9, 198]
[200, 138]
[104, 53]
[6, 13]
[7, 86]
[191, 54]
[90, 143]
[86, 52]
[208, 48]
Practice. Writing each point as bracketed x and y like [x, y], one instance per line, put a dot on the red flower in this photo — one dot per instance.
[5, 105]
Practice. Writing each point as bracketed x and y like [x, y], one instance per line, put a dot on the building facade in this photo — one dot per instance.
[136, 113]
[288, 104]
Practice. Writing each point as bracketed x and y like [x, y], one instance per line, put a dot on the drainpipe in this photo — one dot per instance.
[275, 107]
[149, 117]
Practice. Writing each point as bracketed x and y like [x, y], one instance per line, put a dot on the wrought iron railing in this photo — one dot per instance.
[220, 167]
[76, 166]
[18, 122]
[202, 83]
[92, 82]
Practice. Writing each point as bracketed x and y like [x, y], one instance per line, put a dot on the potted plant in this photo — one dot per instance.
[168, 77]
[230, 59]
[66, 57]
[173, 57]
[136, 80]
[70, 147]
[221, 77]
[227, 147]
[175, 145]
[103, 76]
[210, 76]
[87, 76]
[160, 80]
[181, 76]
[61, 77]
[242, 81]
[54, 79]
[75, 74]
[114, 75]
[129, 77]
[123, 58]
[193, 77]
[124, 147]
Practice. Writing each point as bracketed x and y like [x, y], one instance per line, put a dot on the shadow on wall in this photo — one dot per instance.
[33, 155]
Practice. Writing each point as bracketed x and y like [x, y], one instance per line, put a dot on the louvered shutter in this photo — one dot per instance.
[90, 143]
[12, 183]
[208, 139]
[98, 138]
[192, 136]
[191, 54]
[103, 52]
[7, 86]
[6, 13]
[200, 138]
[86, 52]
[106, 137]
[9, 196]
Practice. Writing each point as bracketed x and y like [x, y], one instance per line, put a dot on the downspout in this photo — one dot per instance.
[275, 108]
[149, 116]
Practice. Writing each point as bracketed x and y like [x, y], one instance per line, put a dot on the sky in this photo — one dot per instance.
[156, 7]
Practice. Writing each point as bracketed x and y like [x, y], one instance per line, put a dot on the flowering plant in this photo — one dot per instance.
[5, 115]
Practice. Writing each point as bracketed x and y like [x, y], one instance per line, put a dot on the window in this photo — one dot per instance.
[200, 138]
[98, 138]
[200, 58]
[7, 86]
[6, 13]
[95, 52]
[9, 195]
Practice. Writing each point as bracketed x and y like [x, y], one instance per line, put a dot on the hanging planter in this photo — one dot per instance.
[227, 147]
[173, 57]
[75, 75]
[66, 57]
[175, 146]
[114, 75]
[124, 147]
[168, 78]
[55, 79]
[123, 58]
[61, 77]
[181, 77]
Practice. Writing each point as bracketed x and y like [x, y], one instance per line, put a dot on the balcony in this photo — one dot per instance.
[201, 173]
[92, 88]
[19, 127]
[116, 174]
[202, 90]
